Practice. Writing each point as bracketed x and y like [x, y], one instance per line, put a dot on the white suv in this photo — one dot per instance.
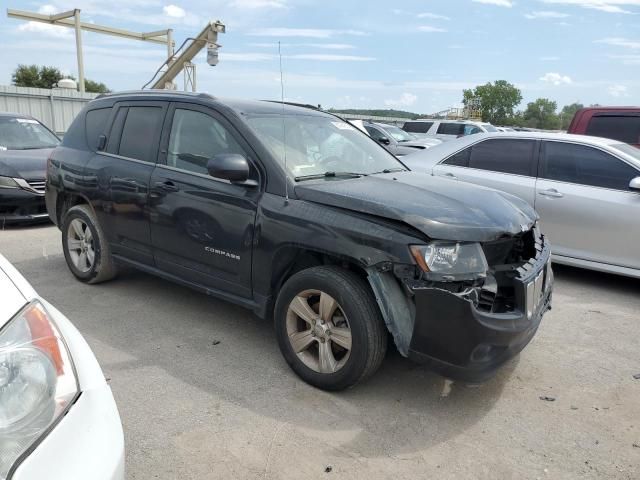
[446, 129]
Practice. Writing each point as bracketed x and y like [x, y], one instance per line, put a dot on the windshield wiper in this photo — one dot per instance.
[330, 175]
[391, 170]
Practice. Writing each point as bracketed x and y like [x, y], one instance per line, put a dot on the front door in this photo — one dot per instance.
[202, 228]
[585, 205]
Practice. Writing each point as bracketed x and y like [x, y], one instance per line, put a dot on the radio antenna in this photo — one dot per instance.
[284, 130]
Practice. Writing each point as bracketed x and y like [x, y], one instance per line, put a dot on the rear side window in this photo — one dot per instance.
[451, 129]
[95, 125]
[460, 159]
[621, 127]
[504, 156]
[417, 127]
[140, 129]
[566, 162]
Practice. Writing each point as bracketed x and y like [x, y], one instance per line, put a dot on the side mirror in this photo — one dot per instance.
[102, 142]
[229, 166]
[384, 140]
[634, 184]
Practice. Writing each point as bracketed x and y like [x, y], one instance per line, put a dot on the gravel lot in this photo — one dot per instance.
[193, 408]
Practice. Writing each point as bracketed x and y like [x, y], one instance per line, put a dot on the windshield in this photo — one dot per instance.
[397, 133]
[628, 149]
[24, 134]
[317, 144]
[489, 128]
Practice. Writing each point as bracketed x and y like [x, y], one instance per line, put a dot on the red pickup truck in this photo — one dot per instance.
[618, 123]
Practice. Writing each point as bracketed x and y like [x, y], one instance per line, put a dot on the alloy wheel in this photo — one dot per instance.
[80, 245]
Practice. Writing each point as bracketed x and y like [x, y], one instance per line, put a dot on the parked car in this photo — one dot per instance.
[446, 130]
[58, 419]
[617, 123]
[586, 189]
[25, 144]
[302, 218]
[397, 141]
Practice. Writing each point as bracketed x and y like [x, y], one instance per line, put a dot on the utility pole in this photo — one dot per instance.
[164, 37]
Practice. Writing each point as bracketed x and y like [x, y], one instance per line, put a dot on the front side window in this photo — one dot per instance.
[95, 125]
[25, 134]
[625, 128]
[471, 130]
[460, 159]
[139, 131]
[196, 138]
[504, 156]
[398, 134]
[315, 144]
[566, 162]
[451, 128]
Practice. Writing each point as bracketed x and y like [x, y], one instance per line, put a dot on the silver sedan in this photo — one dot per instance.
[585, 189]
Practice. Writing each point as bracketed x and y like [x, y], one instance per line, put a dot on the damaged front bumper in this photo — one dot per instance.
[458, 334]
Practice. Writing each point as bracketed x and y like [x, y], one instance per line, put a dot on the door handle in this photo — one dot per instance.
[450, 175]
[167, 186]
[552, 192]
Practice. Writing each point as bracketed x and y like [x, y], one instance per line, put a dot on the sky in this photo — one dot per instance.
[409, 55]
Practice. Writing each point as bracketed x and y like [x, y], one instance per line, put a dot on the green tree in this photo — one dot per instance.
[95, 87]
[34, 76]
[567, 113]
[497, 100]
[541, 114]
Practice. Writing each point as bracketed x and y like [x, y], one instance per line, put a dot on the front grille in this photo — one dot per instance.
[37, 185]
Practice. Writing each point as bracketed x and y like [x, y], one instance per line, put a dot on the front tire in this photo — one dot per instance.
[329, 328]
[85, 247]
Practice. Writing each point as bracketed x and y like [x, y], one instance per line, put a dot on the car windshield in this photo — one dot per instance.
[628, 149]
[398, 134]
[318, 145]
[489, 128]
[24, 134]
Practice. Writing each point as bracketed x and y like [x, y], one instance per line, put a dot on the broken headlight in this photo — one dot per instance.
[37, 382]
[448, 262]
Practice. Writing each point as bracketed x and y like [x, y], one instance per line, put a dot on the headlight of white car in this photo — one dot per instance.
[38, 382]
[448, 261]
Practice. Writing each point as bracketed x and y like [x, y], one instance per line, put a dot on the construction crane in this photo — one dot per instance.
[208, 38]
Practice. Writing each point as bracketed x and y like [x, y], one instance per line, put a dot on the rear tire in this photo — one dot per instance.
[329, 328]
[85, 247]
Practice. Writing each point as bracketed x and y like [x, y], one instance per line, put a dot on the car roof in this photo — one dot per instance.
[433, 155]
[16, 115]
[241, 106]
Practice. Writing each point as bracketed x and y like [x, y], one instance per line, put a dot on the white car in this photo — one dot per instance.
[58, 418]
[446, 130]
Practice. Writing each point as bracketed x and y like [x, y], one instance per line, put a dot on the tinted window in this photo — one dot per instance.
[471, 130]
[196, 138]
[505, 156]
[139, 131]
[417, 127]
[623, 128]
[586, 166]
[373, 133]
[451, 128]
[95, 125]
[460, 159]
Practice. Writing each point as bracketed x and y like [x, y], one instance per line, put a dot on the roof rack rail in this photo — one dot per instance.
[294, 104]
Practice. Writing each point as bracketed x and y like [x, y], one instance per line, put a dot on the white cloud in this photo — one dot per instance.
[302, 32]
[609, 6]
[618, 91]
[55, 31]
[48, 10]
[545, 14]
[556, 79]
[256, 4]
[326, 46]
[267, 57]
[620, 42]
[498, 3]
[174, 11]
[430, 29]
[405, 100]
[627, 59]
[433, 16]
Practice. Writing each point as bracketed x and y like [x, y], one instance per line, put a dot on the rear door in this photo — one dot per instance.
[504, 164]
[585, 205]
[202, 228]
[119, 177]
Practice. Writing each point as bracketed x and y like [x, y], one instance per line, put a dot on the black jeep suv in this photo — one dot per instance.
[302, 218]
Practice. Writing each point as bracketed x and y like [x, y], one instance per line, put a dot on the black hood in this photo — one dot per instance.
[27, 164]
[440, 208]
